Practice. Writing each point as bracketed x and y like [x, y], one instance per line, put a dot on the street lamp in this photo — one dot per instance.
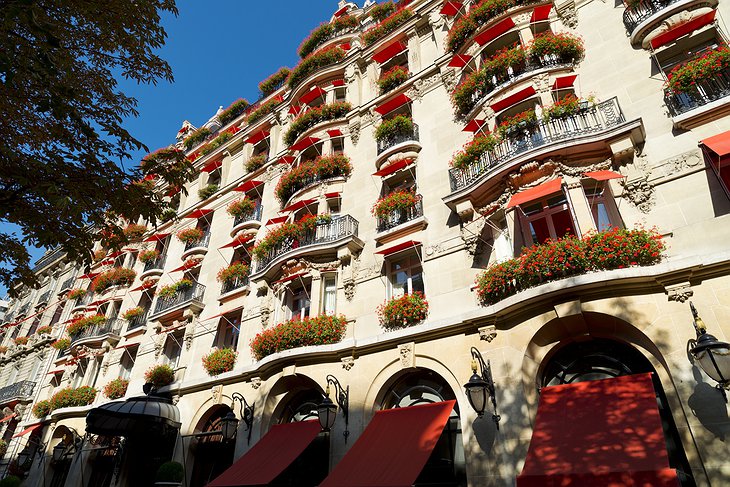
[229, 423]
[712, 355]
[68, 444]
[327, 410]
[481, 386]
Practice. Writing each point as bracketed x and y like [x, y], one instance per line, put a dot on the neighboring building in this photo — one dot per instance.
[577, 131]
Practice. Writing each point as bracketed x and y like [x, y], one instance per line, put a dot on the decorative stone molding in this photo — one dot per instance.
[449, 79]
[541, 82]
[354, 128]
[567, 13]
[348, 286]
[216, 393]
[255, 382]
[407, 354]
[669, 168]
[639, 193]
[522, 18]
[679, 292]
[423, 85]
[471, 234]
[352, 72]
[488, 333]
[347, 362]
[436, 20]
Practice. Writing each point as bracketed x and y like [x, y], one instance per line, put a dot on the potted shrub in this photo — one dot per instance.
[116, 388]
[394, 77]
[241, 207]
[170, 473]
[149, 256]
[42, 408]
[61, 344]
[99, 255]
[237, 270]
[275, 81]
[400, 125]
[567, 47]
[207, 191]
[684, 77]
[256, 162]
[220, 361]
[160, 375]
[397, 200]
[402, 312]
[233, 111]
[190, 235]
[76, 293]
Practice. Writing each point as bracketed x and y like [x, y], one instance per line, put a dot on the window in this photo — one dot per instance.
[173, 349]
[299, 303]
[405, 275]
[329, 294]
[34, 324]
[126, 363]
[229, 328]
[688, 48]
[113, 311]
[548, 218]
[600, 200]
[338, 145]
[214, 177]
[80, 372]
[95, 369]
[340, 94]
[14, 371]
[56, 315]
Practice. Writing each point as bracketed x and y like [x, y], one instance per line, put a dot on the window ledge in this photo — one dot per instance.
[411, 226]
[702, 114]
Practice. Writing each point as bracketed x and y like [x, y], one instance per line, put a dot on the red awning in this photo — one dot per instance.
[474, 125]
[719, 144]
[257, 137]
[89, 275]
[459, 61]
[304, 143]
[188, 264]
[233, 130]
[408, 244]
[392, 104]
[312, 95]
[7, 418]
[451, 8]
[127, 345]
[683, 29]
[335, 194]
[27, 430]
[289, 278]
[493, 32]
[116, 254]
[53, 372]
[248, 186]
[286, 159]
[199, 213]
[393, 167]
[212, 166]
[277, 220]
[143, 287]
[345, 46]
[295, 109]
[389, 52]
[393, 448]
[270, 456]
[535, 193]
[600, 432]
[334, 133]
[338, 82]
[342, 11]
[233, 310]
[564, 82]
[297, 205]
[541, 13]
[603, 175]
[238, 241]
[158, 237]
[513, 98]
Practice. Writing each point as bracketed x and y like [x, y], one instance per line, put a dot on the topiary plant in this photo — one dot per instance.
[170, 472]
[10, 481]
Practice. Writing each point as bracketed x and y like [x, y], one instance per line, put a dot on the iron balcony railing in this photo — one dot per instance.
[590, 120]
[84, 300]
[203, 242]
[401, 215]
[62, 353]
[109, 327]
[254, 215]
[67, 284]
[194, 292]
[339, 228]
[22, 389]
[137, 321]
[234, 284]
[388, 142]
[158, 263]
[638, 13]
[704, 91]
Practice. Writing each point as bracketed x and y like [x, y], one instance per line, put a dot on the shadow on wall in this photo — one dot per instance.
[708, 405]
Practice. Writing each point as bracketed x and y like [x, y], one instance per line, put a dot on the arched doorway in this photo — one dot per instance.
[213, 455]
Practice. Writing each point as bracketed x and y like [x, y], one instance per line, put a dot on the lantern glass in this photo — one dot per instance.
[327, 412]
[476, 392]
[715, 361]
[229, 425]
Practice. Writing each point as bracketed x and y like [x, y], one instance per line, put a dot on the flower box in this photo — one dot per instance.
[44, 330]
[160, 375]
[394, 127]
[397, 200]
[3, 349]
[220, 361]
[190, 235]
[237, 270]
[322, 168]
[321, 330]
[403, 312]
[61, 344]
[116, 388]
[132, 313]
[314, 62]
[41, 409]
[241, 207]
[76, 293]
[256, 162]
[521, 121]
[381, 11]
[386, 26]
[479, 15]
[134, 232]
[70, 397]
[80, 324]
[391, 79]
[262, 110]
[684, 78]
[119, 276]
[149, 256]
[473, 150]
[221, 139]
[233, 111]
[566, 47]
[287, 231]
[207, 191]
[172, 289]
[313, 116]
[274, 82]
[21, 341]
[196, 138]
[325, 32]
[99, 255]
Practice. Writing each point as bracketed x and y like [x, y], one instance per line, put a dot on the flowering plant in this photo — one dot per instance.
[44, 330]
[684, 77]
[80, 324]
[478, 15]
[381, 11]
[567, 47]
[324, 167]
[241, 207]
[134, 232]
[3, 349]
[325, 32]
[528, 118]
[41, 409]
[21, 340]
[256, 162]
[568, 105]
[196, 138]
[70, 397]
[466, 93]
[320, 330]
[397, 200]
[220, 361]
[207, 191]
[386, 26]
[402, 312]
[172, 289]
[3, 447]
[237, 270]
[294, 231]
[99, 255]
[133, 312]
[473, 150]
[313, 116]
[274, 82]
[119, 276]
[233, 111]
[315, 61]
[190, 235]
[395, 76]
[61, 344]
[168, 214]
[116, 388]
[160, 375]
[221, 139]
[262, 110]
[149, 256]
[76, 293]
[393, 127]
[618, 248]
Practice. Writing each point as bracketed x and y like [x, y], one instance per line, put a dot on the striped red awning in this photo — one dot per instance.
[277, 220]
[199, 213]
[389, 52]
[513, 99]
[493, 32]
[683, 29]
[158, 237]
[295, 109]
[392, 104]
[238, 241]
[408, 244]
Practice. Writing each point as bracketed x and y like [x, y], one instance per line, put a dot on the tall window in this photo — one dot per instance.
[229, 328]
[547, 218]
[299, 303]
[126, 363]
[602, 207]
[173, 349]
[329, 294]
[405, 275]
[80, 372]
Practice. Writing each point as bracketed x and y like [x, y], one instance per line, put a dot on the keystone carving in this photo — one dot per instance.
[355, 131]
[217, 393]
[255, 382]
[568, 14]
[407, 355]
[347, 362]
[639, 193]
[348, 285]
[680, 292]
[488, 333]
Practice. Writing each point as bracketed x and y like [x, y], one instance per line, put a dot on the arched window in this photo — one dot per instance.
[213, 455]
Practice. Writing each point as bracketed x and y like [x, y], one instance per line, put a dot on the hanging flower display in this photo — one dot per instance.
[402, 312]
[220, 361]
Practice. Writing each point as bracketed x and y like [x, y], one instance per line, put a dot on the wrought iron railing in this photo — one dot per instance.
[203, 242]
[234, 284]
[109, 327]
[62, 353]
[22, 389]
[590, 120]
[137, 321]
[23, 309]
[194, 292]
[254, 215]
[339, 228]
[158, 263]
[84, 300]
[401, 215]
[388, 142]
[638, 13]
[705, 90]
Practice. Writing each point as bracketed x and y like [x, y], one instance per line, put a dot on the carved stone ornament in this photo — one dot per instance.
[352, 71]
[422, 85]
[255, 382]
[436, 19]
[355, 131]
[523, 18]
[541, 82]
[349, 285]
[680, 292]
[407, 354]
[216, 393]
[449, 79]
[639, 193]
[568, 14]
[347, 362]
[488, 333]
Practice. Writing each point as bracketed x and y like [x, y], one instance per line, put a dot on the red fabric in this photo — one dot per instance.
[312, 95]
[391, 168]
[541, 13]
[187, 265]
[451, 8]
[564, 82]
[295, 109]
[144, 287]
[459, 61]
[128, 345]
[53, 372]
[248, 186]
[535, 193]
[336, 194]
[289, 278]
[338, 82]
[27, 430]
[398, 247]
[89, 275]
[392, 104]
[683, 29]
[389, 52]
[297, 205]
[158, 237]
[277, 220]
[341, 11]
[475, 125]
[9, 416]
[598, 433]
[304, 143]
[233, 130]
[513, 98]
[493, 32]
[212, 166]
[270, 456]
[345, 46]
[257, 137]
[233, 310]
[199, 213]
[603, 175]
[238, 241]
[719, 144]
[286, 159]
[334, 133]
[393, 449]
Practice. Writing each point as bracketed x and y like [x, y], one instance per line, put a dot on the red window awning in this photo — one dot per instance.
[393, 167]
[342, 11]
[212, 166]
[286, 159]
[408, 244]
[312, 95]
[564, 82]
[451, 8]
[297, 205]
[334, 133]
[295, 109]
[238, 241]
[601, 432]
[335, 194]
[513, 99]
[233, 130]
[719, 144]
[459, 61]
[188, 264]
[392, 104]
[248, 186]
[393, 448]
[27, 430]
[541, 13]
[257, 137]
[157, 237]
[127, 345]
[270, 456]
[389, 52]
[338, 82]
[89, 275]
[53, 372]
[145, 286]
[277, 220]
[345, 46]
[199, 213]
[8, 417]
[603, 175]
[535, 193]
[474, 125]
[683, 29]
[233, 310]
[290, 278]
[304, 143]
[493, 32]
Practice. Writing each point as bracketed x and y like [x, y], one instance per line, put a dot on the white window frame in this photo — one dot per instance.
[415, 263]
[328, 299]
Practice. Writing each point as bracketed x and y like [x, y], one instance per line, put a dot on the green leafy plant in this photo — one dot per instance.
[473, 150]
[70, 397]
[134, 232]
[116, 388]
[237, 270]
[132, 313]
[44, 330]
[160, 375]
[220, 361]
[99, 255]
[170, 472]
[41, 408]
[10, 480]
[221, 139]
[233, 111]
[21, 340]
[391, 79]
[207, 191]
[322, 168]
[397, 200]
[314, 62]
[381, 11]
[479, 15]
[386, 26]
[168, 215]
[241, 207]
[256, 162]
[149, 256]
[262, 110]
[119, 276]
[76, 293]
[274, 82]
[325, 32]
[190, 235]
[79, 324]
[567, 47]
[320, 330]
[313, 116]
[528, 118]
[196, 138]
[282, 233]
[394, 127]
[172, 289]
[403, 312]
[684, 77]
[61, 344]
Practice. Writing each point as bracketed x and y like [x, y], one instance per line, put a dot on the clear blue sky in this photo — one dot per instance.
[219, 51]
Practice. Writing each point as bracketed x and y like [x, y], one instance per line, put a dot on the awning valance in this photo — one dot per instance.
[393, 448]
[334, 133]
[212, 166]
[601, 432]
[408, 244]
[7, 418]
[535, 193]
[682, 30]
[474, 125]
[304, 143]
[257, 137]
[157, 237]
[135, 417]
[459, 61]
[493, 32]
[199, 213]
[277, 220]
[389, 52]
[393, 167]
[603, 175]
[513, 99]
[248, 186]
[312, 95]
[719, 144]
[392, 104]
[541, 13]
[270, 456]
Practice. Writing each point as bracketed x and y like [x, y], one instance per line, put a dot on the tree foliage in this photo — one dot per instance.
[62, 161]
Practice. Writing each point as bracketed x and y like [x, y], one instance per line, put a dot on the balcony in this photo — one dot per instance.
[598, 120]
[20, 391]
[83, 301]
[254, 216]
[230, 286]
[153, 267]
[389, 142]
[189, 297]
[340, 231]
[111, 328]
[137, 321]
[400, 216]
[197, 247]
[707, 92]
[643, 18]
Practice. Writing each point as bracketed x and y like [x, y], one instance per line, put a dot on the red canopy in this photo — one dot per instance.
[493, 32]
[188, 264]
[334, 133]
[304, 143]
[392, 104]
[27, 430]
[238, 241]
[474, 125]
[393, 449]
[158, 237]
[233, 310]
[513, 98]
[270, 456]
[248, 186]
[286, 159]
[295, 109]
[719, 144]
[398, 247]
[277, 220]
[564, 82]
[338, 82]
[289, 278]
[393, 167]
[535, 193]
[602, 432]
[312, 95]
[257, 137]
[451, 8]
[541, 13]
[683, 29]
[603, 175]
[459, 61]
[389, 52]
[199, 213]
[295, 206]
[7, 418]
[212, 166]
[89, 275]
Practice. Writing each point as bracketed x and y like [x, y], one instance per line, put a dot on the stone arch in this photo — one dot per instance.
[280, 395]
[208, 456]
